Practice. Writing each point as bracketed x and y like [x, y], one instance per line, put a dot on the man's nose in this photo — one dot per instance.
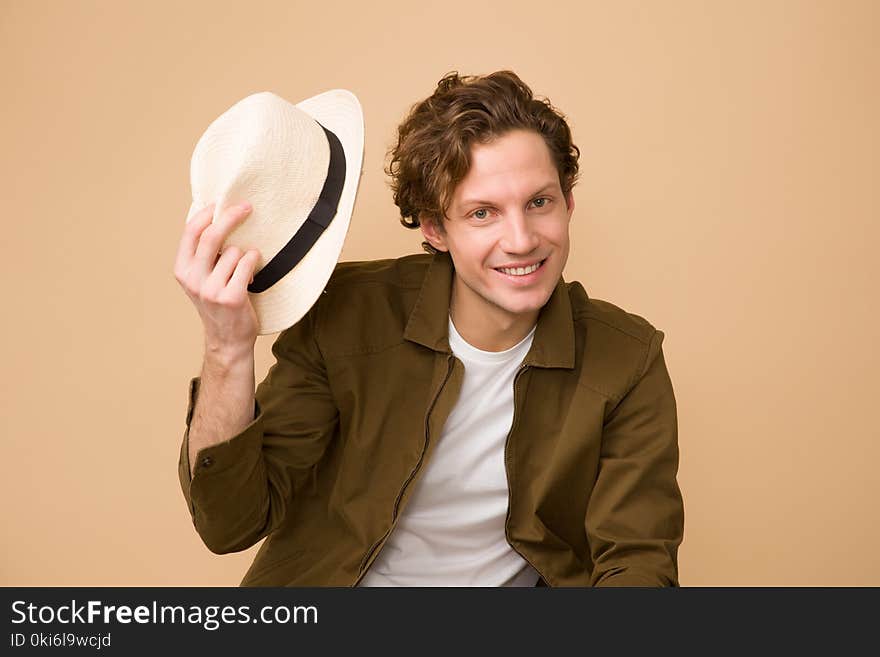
[519, 235]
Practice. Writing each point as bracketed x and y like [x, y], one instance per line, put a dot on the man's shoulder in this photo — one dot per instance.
[404, 272]
[604, 317]
[615, 344]
[365, 305]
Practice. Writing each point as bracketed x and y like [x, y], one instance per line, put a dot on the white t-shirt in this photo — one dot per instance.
[451, 532]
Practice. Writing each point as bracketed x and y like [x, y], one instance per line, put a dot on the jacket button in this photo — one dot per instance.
[206, 462]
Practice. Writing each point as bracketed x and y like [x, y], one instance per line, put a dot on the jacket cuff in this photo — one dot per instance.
[220, 463]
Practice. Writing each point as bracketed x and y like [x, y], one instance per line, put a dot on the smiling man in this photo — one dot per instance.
[462, 417]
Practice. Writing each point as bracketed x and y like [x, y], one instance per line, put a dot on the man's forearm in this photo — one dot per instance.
[225, 403]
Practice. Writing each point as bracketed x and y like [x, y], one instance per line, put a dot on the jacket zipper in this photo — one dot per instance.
[522, 368]
[365, 563]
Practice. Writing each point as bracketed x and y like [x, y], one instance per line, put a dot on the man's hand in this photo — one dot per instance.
[217, 283]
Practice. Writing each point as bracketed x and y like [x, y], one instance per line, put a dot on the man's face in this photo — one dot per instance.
[507, 216]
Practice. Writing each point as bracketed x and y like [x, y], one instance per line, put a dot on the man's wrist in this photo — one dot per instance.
[228, 359]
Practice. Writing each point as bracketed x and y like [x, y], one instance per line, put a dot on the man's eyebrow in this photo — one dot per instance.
[472, 201]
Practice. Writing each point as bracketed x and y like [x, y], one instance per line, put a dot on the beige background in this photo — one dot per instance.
[729, 195]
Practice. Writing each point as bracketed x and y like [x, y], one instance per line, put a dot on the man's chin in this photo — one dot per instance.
[522, 307]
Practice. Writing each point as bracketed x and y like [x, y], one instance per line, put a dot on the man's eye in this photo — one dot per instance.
[540, 202]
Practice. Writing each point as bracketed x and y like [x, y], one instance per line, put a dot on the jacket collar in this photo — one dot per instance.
[552, 346]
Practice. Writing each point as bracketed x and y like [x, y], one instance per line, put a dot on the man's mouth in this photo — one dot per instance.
[521, 271]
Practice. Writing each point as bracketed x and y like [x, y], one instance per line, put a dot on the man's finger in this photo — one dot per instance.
[213, 237]
[244, 270]
[190, 239]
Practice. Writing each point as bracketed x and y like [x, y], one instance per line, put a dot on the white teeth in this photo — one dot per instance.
[520, 271]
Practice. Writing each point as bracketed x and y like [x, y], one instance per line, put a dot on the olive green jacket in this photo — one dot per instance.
[352, 409]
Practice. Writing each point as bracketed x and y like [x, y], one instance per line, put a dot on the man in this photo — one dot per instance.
[464, 417]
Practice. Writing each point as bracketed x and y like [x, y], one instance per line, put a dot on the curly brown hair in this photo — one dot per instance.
[432, 153]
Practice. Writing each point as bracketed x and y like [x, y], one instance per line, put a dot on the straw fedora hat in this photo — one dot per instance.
[299, 166]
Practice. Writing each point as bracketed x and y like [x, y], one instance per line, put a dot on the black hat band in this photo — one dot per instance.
[315, 224]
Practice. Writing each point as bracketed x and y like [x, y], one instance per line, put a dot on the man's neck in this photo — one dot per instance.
[485, 326]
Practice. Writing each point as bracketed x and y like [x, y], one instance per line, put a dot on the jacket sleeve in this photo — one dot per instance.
[241, 488]
[635, 516]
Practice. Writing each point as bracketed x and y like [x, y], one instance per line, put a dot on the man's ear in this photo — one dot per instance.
[432, 231]
[569, 201]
